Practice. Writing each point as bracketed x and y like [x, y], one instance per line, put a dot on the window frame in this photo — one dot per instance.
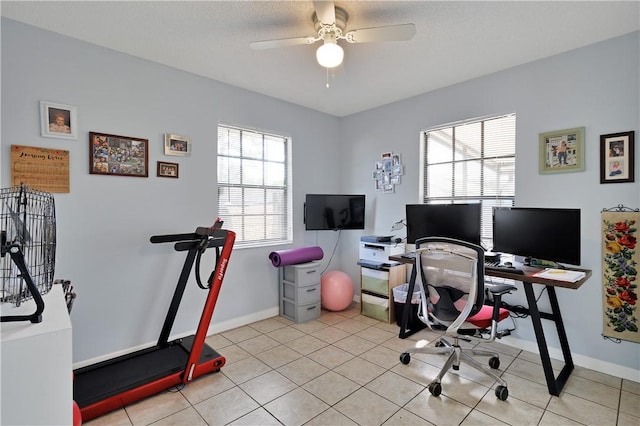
[487, 201]
[286, 229]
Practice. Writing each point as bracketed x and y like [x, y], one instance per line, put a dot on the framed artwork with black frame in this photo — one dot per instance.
[118, 155]
[168, 170]
[617, 157]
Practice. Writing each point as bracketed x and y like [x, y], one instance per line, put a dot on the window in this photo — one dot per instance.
[254, 186]
[471, 161]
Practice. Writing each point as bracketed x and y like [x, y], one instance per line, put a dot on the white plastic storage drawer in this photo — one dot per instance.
[300, 313]
[301, 295]
[303, 274]
[375, 281]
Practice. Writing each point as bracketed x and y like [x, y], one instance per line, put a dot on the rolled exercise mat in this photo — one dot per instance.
[295, 256]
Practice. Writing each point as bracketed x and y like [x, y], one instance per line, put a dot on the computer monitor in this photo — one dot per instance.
[459, 221]
[550, 234]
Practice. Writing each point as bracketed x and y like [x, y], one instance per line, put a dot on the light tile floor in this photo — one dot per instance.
[344, 369]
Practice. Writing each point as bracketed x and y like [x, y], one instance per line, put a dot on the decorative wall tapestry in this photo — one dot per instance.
[387, 172]
[620, 259]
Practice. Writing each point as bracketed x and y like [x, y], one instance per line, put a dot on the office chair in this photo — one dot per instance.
[450, 277]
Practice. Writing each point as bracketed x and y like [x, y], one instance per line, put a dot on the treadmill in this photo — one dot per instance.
[112, 384]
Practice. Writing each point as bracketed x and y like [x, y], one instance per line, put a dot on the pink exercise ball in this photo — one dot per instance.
[336, 291]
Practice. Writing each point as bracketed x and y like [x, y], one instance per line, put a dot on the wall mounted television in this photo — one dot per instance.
[331, 212]
[551, 234]
[459, 221]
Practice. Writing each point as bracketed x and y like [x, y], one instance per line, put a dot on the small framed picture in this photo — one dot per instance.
[118, 155]
[58, 120]
[177, 145]
[168, 170]
[616, 157]
[562, 151]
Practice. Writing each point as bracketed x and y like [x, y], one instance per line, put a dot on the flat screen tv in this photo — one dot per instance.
[459, 221]
[324, 212]
[550, 234]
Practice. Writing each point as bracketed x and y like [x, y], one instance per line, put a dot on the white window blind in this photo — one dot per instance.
[254, 186]
[471, 161]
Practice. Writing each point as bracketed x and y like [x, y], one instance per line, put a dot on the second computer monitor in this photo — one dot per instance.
[550, 234]
[459, 221]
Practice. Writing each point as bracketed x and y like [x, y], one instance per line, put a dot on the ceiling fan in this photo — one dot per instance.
[330, 22]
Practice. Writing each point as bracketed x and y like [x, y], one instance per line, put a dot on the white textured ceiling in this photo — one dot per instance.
[455, 41]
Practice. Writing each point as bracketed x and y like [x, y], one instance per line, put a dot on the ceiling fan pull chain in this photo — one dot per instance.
[327, 77]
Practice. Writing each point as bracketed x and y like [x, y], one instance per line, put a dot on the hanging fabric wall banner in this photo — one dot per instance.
[620, 260]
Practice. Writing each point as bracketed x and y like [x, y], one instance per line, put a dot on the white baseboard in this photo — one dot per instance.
[580, 360]
[213, 329]
[240, 321]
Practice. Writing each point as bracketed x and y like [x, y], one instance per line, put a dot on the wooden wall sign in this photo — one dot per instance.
[40, 168]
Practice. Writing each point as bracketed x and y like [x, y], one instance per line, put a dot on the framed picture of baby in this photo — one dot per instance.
[58, 120]
[616, 157]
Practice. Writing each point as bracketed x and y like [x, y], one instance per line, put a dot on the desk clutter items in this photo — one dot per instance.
[28, 241]
[69, 294]
[561, 274]
[295, 256]
[336, 291]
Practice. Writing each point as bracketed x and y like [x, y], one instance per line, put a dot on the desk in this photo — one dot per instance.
[554, 384]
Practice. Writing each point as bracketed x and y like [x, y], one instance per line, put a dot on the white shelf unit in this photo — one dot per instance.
[37, 365]
[376, 291]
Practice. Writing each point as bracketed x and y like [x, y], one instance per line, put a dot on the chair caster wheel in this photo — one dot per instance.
[435, 388]
[405, 358]
[494, 362]
[502, 393]
[439, 344]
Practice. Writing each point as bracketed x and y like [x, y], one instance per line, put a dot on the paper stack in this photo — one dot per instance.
[561, 274]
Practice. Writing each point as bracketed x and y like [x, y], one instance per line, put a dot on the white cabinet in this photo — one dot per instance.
[36, 366]
[300, 291]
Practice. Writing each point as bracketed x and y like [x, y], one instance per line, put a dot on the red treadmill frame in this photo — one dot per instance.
[193, 368]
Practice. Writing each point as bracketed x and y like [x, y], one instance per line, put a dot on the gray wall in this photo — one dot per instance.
[124, 283]
[596, 87]
[104, 223]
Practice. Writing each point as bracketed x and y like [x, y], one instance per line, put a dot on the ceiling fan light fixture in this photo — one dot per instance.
[330, 54]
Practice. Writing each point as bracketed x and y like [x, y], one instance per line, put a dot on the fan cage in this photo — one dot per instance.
[27, 220]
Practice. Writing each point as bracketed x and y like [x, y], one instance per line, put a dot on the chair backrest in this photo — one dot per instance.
[451, 280]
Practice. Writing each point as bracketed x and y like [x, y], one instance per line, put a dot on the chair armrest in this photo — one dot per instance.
[500, 289]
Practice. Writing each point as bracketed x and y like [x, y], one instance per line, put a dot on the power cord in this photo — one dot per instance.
[332, 252]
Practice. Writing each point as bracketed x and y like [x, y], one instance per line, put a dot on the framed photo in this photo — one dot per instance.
[177, 145]
[562, 151]
[58, 121]
[169, 170]
[118, 155]
[616, 157]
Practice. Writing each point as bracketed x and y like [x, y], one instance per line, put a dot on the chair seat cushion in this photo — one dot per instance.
[483, 318]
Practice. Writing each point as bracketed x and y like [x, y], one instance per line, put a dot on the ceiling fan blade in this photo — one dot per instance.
[325, 11]
[401, 32]
[283, 42]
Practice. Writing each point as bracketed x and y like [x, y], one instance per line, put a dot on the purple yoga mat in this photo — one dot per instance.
[295, 256]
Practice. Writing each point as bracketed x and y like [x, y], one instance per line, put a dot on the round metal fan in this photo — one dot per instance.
[330, 23]
[28, 240]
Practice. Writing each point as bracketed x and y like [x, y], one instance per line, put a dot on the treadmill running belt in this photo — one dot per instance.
[110, 378]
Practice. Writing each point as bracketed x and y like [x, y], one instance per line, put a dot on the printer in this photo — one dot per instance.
[377, 253]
